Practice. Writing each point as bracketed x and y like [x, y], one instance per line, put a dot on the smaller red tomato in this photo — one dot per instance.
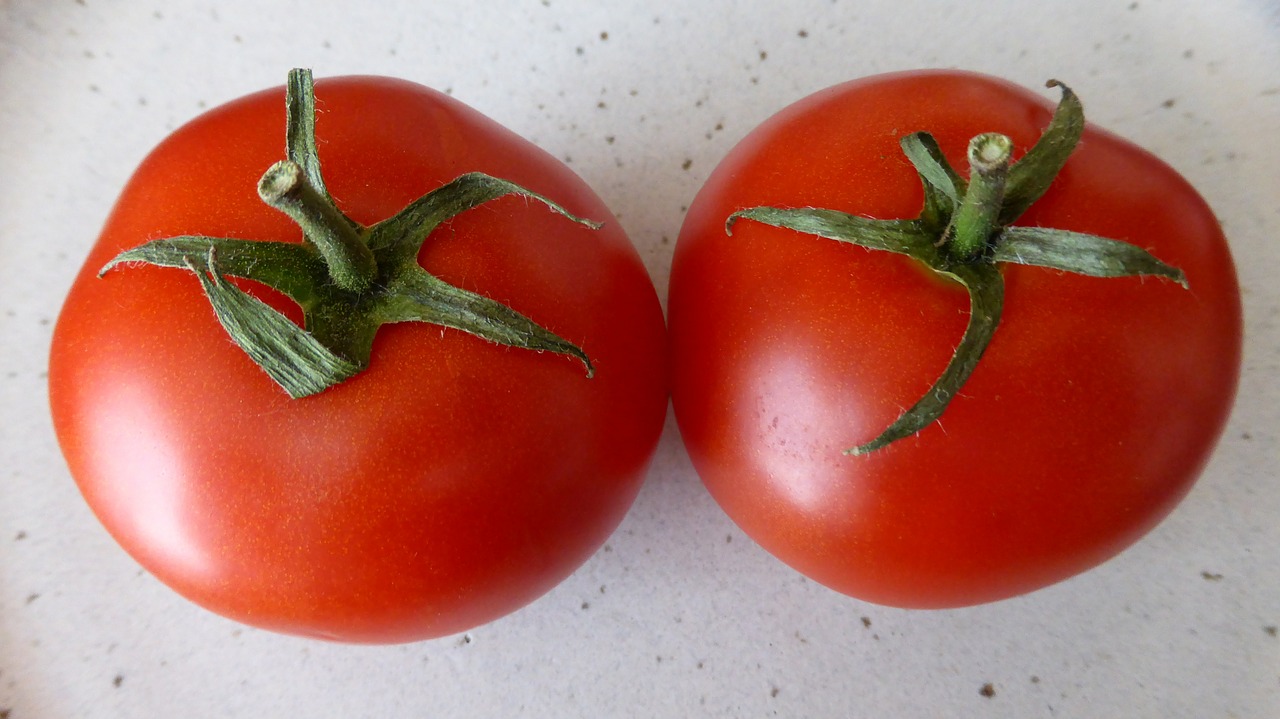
[1021, 401]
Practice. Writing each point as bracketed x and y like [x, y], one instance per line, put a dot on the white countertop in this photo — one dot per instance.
[680, 615]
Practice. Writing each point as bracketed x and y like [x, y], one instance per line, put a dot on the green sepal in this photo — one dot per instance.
[289, 355]
[300, 133]
[418, 296]
[943, 186]
[904, 237]
[399, 238]
[293, 269]
[1079, 253]
[986, 302]
[1030, 177]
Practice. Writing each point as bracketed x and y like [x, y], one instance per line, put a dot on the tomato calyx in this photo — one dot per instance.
[349, 279]
[964, 232]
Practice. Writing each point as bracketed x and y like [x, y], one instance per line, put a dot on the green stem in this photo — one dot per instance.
[977, 218]
[350, 261]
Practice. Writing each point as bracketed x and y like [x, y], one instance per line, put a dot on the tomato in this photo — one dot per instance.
[451, 482]
[1093, 410]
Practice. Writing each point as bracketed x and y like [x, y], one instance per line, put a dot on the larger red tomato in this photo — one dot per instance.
[1092, 412]
[451, 482]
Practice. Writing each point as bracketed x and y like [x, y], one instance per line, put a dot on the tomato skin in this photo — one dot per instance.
[452, 482]
[1093, 411]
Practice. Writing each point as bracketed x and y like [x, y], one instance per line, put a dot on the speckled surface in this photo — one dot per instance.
[679, 615]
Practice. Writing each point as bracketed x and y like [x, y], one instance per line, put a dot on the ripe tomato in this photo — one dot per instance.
[1093, 410]
[453, 481]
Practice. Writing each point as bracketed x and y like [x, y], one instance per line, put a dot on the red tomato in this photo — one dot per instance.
[1091, 414]
[452, 482]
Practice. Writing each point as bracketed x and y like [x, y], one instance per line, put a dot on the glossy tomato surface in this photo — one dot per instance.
[453, 481]
[1094, 409]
